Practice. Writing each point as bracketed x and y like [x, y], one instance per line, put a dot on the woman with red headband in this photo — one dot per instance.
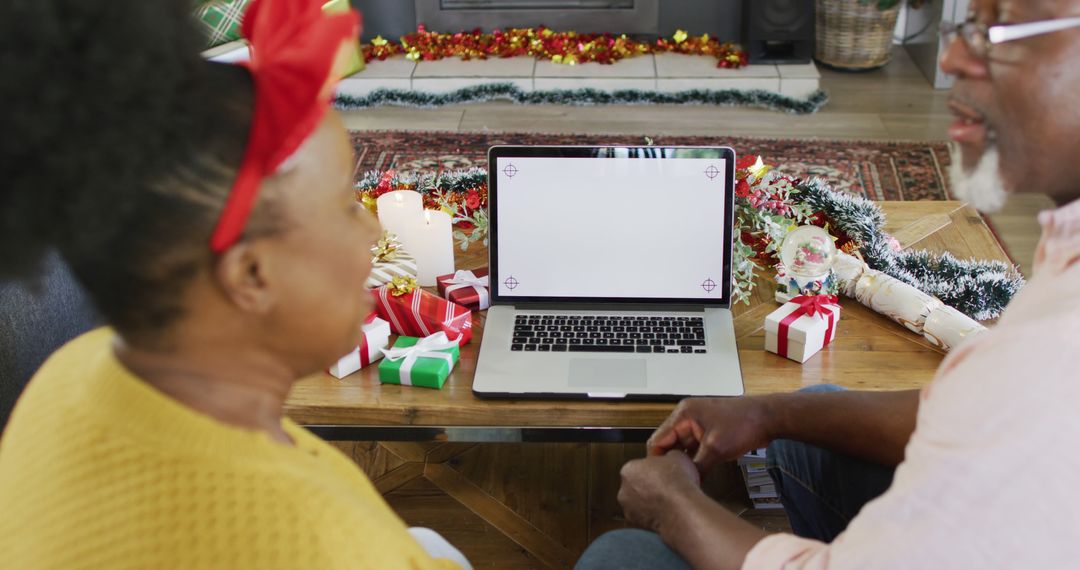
[208, 212]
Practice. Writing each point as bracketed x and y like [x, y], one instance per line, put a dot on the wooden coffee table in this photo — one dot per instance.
[869, 353]
[538, 504]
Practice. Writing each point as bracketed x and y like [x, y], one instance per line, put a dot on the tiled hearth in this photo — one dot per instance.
[665, 72]
[660, 72]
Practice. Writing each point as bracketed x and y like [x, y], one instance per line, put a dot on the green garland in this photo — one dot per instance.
[980, 289]
[428, 182]
[509, 92]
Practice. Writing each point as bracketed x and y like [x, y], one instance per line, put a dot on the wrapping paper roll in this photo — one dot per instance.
[947, 328]
[847, 270]
[895, 299]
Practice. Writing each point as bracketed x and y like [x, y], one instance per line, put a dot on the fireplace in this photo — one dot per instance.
[624, 16]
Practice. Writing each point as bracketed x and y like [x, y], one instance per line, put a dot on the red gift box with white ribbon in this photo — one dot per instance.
[422, 314]
[467, 288]
[802, 327]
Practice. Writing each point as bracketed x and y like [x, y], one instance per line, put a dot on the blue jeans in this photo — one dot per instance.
[630, 549]
[822, 491]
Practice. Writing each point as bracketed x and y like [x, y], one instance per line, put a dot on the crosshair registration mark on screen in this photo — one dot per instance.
[709, 285]
[510, 171]
[712, 172]
[511, 283]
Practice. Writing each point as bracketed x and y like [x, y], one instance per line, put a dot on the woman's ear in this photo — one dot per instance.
[241, 272]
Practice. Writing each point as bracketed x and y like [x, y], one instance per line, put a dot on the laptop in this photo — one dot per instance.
[610, 272]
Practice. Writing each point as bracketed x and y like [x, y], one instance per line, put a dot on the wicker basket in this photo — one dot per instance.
[852, 35]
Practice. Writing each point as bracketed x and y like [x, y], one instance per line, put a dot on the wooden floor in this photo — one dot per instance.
[568, 490]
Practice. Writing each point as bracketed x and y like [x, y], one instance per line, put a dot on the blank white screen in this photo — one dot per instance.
[611, 227]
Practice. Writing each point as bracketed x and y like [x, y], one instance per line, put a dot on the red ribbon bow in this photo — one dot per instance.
[294, 51]
[814, 306]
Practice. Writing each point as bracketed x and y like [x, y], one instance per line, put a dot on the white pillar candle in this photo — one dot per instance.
[400, 211]
[432, 243]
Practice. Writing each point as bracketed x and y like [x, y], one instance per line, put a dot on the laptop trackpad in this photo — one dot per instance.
[625, 374]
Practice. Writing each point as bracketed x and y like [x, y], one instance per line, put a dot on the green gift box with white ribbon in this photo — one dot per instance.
[424, 362]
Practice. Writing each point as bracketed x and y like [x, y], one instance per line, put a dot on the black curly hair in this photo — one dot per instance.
[119, 145]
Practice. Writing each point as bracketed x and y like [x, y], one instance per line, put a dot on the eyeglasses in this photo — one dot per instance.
[981, 37]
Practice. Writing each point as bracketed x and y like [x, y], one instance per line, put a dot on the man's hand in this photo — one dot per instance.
[651, 488]
[714, 430]
[662, 494]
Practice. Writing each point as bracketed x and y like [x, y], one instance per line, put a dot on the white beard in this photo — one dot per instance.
[981, 187]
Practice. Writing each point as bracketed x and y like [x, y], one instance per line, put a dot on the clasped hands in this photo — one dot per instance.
[699, 434]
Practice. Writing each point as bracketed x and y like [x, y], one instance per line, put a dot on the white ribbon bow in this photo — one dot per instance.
[464, 278]
[426, 347]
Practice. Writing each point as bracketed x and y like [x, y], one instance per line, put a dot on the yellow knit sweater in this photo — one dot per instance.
[99, 470]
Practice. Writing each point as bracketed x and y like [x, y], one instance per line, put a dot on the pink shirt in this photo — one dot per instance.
[988, 476]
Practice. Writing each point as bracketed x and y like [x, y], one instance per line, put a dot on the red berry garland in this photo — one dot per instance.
[568, 48]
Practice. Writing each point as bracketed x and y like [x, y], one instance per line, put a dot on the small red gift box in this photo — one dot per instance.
[422, 314]
[467, 288]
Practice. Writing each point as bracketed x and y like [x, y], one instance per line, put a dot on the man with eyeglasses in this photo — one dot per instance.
[974, 470]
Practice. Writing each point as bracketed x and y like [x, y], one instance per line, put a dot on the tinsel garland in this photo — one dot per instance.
[430, 185]
[980, 289]
[587, 96]
[461, 193]
[568, 48]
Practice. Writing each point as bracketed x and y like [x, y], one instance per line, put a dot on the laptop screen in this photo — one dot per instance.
[611, 224]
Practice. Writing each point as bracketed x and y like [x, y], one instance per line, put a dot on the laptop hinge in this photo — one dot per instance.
[622, 307]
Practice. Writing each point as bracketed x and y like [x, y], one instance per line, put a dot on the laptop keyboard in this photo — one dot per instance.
[606, 333]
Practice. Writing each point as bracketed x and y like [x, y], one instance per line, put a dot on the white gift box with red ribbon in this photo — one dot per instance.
[801, 328]
[376, 338]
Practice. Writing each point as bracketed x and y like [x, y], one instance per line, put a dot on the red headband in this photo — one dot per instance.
[294, 51]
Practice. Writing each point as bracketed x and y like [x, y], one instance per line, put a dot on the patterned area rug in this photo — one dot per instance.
[877, 170]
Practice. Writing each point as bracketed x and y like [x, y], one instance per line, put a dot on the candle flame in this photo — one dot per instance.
[427, 217]
[397, 196]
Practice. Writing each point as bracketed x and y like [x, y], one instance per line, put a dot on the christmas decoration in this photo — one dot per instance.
[424, 362]
[979, 289]
[389, 260]
[847, 269]
[568, 48]
[755, 98]
[415, 312]
[895, 299]
[806, 264]
[802, 327]
[462, 194]
[376, 336]
[768, 206]
[943, 326]
[946, 327]
[467, 288]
